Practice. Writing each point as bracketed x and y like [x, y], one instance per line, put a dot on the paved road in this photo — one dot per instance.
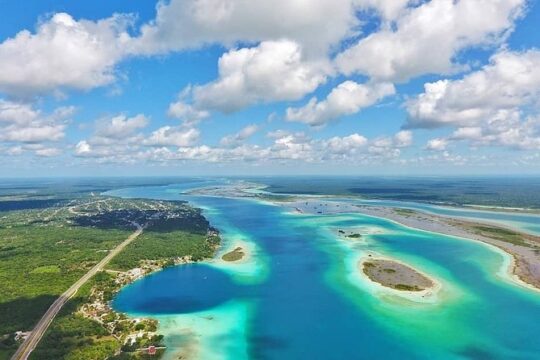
[23, 352]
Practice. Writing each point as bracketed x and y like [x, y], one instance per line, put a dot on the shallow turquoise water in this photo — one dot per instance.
[301, 296]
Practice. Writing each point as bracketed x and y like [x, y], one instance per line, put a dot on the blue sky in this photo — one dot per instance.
[270, 87]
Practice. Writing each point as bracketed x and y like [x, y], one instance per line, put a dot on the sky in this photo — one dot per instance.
[269, 87]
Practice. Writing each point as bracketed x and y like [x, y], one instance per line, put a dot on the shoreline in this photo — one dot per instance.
[504, 209]
[101, 306]
[249, 189]
[523, 267]
[192, 338]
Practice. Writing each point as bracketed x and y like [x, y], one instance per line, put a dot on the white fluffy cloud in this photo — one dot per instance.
[487, 107]
[62, 53]
[507, 129]
[288, 146]
[509, 81]
[173, 136]
[185, 112]
[390, 146]
[83, 148]
[236, 139]
[403, 138]
[426, 38]
[167, 145]
[347, 98]
[271, 71]
[116, 134]
[120, 126]
[37, 149]
[437, 144]
[388, 9]
[182, 24]
[66, 53]
[48, 152]
[33, 133]
[354, 147]
[280, 50]
[104, 151]
[345, 145]
[22, 123]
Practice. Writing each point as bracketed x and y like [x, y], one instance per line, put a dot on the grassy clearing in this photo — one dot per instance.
[405, 287]
[235, 255]
[404, 212]
[47, 269]
[500, 234]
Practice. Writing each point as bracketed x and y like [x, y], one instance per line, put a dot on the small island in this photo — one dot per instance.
[349, 234]
[236, 255]
[395, 275]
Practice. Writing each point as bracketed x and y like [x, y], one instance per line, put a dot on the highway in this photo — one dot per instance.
[26, 348]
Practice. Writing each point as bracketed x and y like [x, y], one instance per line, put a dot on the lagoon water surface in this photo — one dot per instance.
[299, 294]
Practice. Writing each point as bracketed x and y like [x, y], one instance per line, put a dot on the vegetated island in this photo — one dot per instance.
[43, 251]
[395, 275]
[236, 255]
[349, 234]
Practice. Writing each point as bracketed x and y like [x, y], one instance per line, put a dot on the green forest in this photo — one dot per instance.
[45, 250]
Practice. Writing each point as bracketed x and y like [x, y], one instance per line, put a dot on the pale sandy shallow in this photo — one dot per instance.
[521, 264]
[218, 333]
[525, 272]
[252, 268]
[244, 247]
[522, 268]
[345, 233]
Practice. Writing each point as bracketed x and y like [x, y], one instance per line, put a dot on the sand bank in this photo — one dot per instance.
[523, 248]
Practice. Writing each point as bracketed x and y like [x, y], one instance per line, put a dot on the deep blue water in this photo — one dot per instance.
[307, 309]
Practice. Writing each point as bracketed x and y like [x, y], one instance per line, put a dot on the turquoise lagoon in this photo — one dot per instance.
[299, 295]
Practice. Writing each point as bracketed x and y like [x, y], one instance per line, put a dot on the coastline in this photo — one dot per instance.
[436, 298]
[102, 306]
[523, 267]
[507, 209]
[191, 335]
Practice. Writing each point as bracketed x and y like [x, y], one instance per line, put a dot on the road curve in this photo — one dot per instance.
[26, 348]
